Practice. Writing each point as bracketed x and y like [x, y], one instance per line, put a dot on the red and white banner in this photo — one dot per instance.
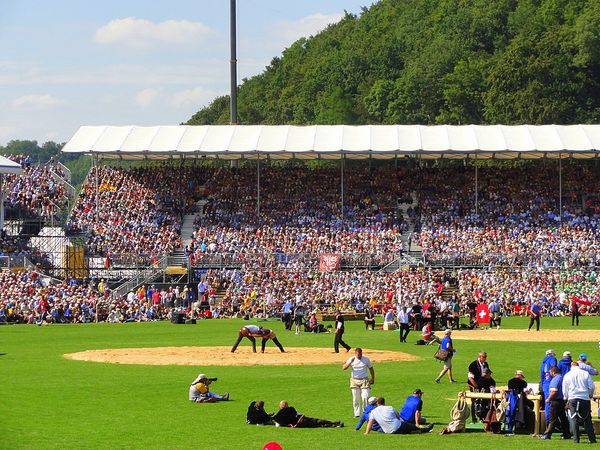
[483, 314]
[329, 262]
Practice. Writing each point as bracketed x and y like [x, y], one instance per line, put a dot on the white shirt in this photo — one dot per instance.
[403, 317]
[252, 328]
[387, 418]
[360, 367]
[577, 384]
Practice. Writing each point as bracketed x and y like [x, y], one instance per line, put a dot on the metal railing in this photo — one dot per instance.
[509, 260]
[141, 277]
[291, 261]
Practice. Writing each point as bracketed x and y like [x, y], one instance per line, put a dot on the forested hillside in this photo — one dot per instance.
[434, 61]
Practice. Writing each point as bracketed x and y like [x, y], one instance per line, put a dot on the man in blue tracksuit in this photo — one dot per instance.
[545, 378]
[371, 405]
[564, 365]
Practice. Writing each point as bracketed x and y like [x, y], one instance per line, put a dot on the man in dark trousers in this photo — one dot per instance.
[287, 416]
[535, 312]
[339, 333]
[475, 372]
[557, 406]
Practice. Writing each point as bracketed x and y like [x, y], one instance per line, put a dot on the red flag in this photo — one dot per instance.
[581, 301]
[483, 314]
[329, 262]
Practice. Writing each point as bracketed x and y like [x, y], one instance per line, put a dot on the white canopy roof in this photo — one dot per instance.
[332, 141]
[8, 166]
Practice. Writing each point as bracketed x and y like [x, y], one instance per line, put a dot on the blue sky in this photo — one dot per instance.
[64, 63]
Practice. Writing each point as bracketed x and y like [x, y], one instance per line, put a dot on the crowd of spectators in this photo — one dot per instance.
[136, 211]
[301, 212]
[36, 192]
[518, 220]
[516, 290]
[28, 297]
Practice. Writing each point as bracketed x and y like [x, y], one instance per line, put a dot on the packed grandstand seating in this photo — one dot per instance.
[136, 211]
[514, 247]
[35, 192]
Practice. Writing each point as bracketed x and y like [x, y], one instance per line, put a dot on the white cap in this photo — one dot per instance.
[565, 354]
[372, 400]
[550, 352]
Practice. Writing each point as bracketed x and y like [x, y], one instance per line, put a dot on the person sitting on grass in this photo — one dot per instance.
[287, 416]
[428, 335]
[199, 392]
[257, 415]
[411, 410]
[371, 405]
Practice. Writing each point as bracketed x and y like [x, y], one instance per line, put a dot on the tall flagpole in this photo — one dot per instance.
[233, 64]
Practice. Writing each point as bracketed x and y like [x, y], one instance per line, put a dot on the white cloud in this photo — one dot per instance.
[36, 100]
[146, 97]
[139, 33]
[306, 26]
[193, 97]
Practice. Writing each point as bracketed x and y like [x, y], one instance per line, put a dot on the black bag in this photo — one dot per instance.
[441, 354]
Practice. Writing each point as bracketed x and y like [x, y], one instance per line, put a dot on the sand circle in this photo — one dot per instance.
[222, 356]
[512, 335]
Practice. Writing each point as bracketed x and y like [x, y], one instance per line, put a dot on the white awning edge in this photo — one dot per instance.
[333, 141]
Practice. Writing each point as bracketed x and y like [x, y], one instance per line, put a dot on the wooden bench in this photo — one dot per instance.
[322, 317]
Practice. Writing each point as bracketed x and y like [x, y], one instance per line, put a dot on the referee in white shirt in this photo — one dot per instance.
[403, 320]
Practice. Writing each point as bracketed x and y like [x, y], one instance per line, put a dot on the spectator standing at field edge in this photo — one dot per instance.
[447, 345]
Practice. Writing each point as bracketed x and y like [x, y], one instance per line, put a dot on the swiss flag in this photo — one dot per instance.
[483, 314]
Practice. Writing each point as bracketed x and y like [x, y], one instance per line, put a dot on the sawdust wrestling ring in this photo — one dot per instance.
[222, 356]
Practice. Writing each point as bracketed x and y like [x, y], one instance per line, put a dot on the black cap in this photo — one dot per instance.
[417, 391]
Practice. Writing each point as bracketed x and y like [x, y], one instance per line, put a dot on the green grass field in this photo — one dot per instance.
[51, 402]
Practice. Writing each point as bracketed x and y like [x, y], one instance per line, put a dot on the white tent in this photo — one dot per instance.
[6, 166]
[333, 141]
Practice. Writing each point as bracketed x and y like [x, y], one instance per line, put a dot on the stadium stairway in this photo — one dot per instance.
[408, 245]
[449, 291]
[187, 226]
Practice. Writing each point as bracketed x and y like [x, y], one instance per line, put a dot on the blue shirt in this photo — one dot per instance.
[446, 342]
[556, 384]
[365, 418]
[412, 404]
[564, 365]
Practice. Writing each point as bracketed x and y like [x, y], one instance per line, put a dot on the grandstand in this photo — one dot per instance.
[395, 220]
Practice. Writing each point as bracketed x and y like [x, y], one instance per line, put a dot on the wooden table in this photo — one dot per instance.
[540, 421]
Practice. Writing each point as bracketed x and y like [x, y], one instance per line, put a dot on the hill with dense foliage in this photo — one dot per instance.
[433, 61]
